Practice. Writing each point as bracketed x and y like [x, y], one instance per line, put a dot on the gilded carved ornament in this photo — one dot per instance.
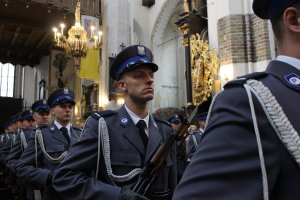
[204, 65]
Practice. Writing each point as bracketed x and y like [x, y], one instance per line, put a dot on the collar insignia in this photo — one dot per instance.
[124, 120]
[293, 79]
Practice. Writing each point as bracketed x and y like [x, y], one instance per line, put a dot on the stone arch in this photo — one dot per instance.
[162, 20]
[167, 92]
[139, 36]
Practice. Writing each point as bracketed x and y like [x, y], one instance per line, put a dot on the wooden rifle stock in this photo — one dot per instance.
[157, 160]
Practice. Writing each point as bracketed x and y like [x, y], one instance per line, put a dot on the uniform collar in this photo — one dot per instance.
[135, 118]
[286, 73]
[58, 125]
[290, 60]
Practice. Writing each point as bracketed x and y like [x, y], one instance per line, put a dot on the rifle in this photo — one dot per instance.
[157, 161]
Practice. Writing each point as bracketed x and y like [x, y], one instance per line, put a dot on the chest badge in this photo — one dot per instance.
[293, 79]
[124, 120]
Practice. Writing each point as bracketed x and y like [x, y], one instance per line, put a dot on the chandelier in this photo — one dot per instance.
[78, 41]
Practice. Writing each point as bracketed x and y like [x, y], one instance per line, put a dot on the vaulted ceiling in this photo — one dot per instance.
[26, 29]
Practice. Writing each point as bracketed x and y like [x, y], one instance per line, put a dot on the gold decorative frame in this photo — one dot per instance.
[204, 65]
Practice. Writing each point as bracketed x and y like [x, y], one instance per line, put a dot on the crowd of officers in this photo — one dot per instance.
[33, 144]
[28, 160]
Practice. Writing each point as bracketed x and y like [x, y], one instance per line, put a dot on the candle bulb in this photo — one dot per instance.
[58, 35]
[55, 32]
[95, 41]
[92, 31]
[100, 36]
[62, 26]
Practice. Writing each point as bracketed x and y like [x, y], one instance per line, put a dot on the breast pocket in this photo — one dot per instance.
[55, 150]
[123, 162]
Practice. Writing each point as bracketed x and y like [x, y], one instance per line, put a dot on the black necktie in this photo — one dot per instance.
[64, 130]
[141, 126]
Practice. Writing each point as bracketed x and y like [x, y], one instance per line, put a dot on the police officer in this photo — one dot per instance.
[40, 113]
[9, 137]
[247, 150]
[49, 144]
[122, 149]
[194, 139]
[25, 125]
[175, 122]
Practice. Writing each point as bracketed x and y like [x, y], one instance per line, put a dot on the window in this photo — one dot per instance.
[7, 76]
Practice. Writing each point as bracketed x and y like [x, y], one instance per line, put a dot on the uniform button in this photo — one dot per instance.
[126, 161]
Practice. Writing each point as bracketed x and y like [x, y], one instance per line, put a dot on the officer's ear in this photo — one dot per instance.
[291, 18]
[121, 85]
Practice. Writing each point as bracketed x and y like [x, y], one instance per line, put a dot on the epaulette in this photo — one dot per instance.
[41, 127]
[105, 113]
[242, 79]
[162, 121]
[76, 128]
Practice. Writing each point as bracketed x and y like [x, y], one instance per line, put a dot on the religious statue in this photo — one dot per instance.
[60, 62]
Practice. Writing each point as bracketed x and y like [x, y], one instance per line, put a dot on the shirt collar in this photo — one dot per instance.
[135, 118]
[290, 60]
[59, 126]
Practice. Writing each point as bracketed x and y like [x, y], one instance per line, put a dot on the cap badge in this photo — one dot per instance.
[30, 111]
[124, 120]
[66, 91]
[44, 102]
[141, 50]
[293, 79]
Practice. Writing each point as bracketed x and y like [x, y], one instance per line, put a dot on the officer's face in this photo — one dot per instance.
[63, 112]
[30, 123]
[138, 84]
[41, 118]
[20, 124]
[202, 123]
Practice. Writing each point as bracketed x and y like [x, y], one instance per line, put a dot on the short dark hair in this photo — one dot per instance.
[277, 24]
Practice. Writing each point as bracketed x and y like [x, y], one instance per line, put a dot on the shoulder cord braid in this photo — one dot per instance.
[23, 140]
[260, 150]
[277, 118]
[13, 139]
[195, 141]
[279, 121]
[210, 108]
[2, 138]
[103, 140]
[39, 137]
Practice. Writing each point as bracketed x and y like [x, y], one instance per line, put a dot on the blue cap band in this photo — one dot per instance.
[42, 107]
[129, 61]
[62, 98]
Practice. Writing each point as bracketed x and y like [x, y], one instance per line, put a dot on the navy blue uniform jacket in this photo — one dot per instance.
[226, 165]
[73, 179]
[17, 150]
[55, 145]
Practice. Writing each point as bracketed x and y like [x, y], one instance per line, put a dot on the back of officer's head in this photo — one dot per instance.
[131, 58]
[273, 10]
